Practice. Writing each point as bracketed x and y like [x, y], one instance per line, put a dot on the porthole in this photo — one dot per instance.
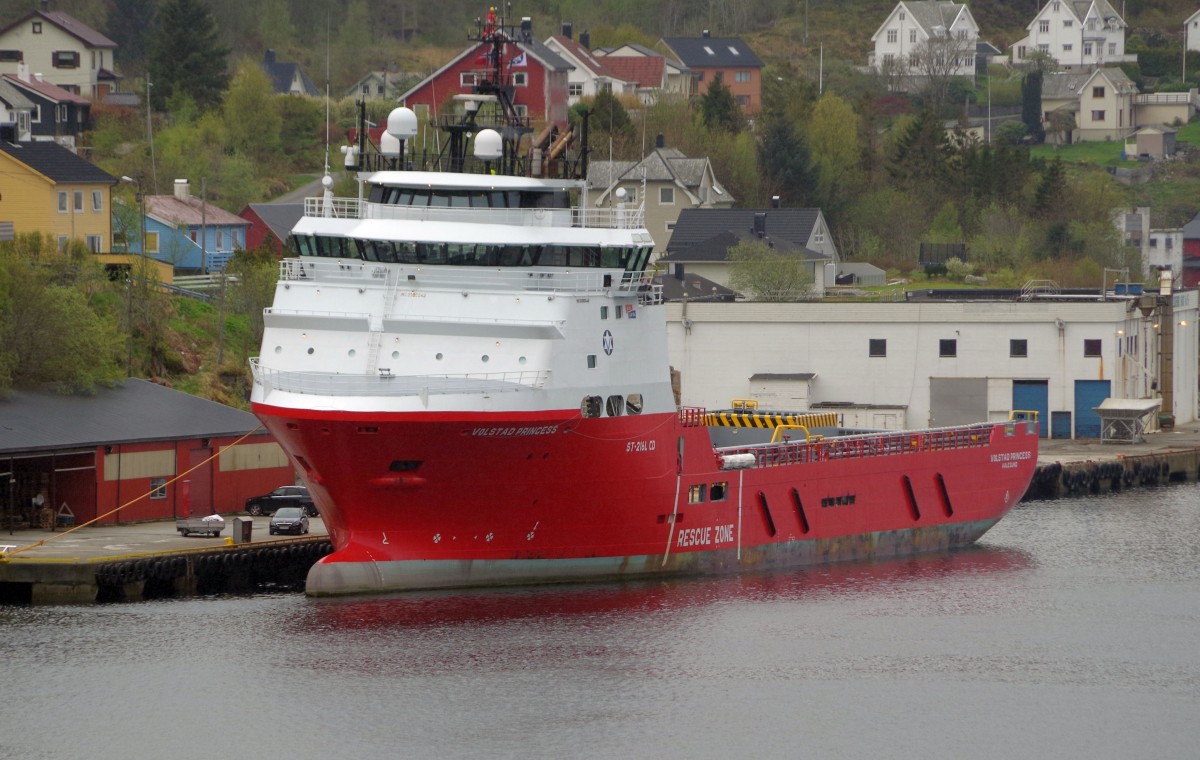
[279, 349]
[310, 349]
[437, 356]
[351, 353]
[395, 354]
[521, 360]
[484, 358]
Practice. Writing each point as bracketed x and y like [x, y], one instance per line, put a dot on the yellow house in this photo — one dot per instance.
[46, 188]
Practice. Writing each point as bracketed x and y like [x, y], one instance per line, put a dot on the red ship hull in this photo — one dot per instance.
[473, 499]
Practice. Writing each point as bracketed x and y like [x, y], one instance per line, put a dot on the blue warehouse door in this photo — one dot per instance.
[1089, 394]
[1033, 396]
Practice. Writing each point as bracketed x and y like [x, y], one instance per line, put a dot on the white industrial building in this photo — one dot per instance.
[925, 363]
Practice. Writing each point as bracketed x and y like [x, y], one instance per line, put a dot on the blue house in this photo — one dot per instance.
[191, 235]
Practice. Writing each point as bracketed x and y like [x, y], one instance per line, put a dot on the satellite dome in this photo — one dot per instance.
[402, 123]
[489, 146]
[389, 144]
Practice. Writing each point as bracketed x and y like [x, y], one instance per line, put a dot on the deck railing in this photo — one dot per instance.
[626, 218]
[384, 383]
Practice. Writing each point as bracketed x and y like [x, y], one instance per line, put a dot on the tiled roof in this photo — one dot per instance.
[70, 25]
[582, 54]
[192, 212]
[46, 90]
[645, 71]
[58, 163]
[137, 410]
[713, 52]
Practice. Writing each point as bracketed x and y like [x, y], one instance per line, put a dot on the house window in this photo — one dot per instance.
[948, 347]
[1112, 48]
[97, 200]
[1067, 23]
[1043, 26]
[93, 243]
[365, 89]
[65, 59]
[1097, 92]
[743, 100]
[62, 202]
[381, 90]
[891, 36]
[151, 242]
[1091, 347]
[819, 236]
[1097, 116]
[913, 59]
[1170, 243]
[522, 110]
[12, 56]
[62, 242]
[877, 347]
[61, 113]
[887, 57]
[1087, 48]
[1067, 48]
[37, 27]
[466, 79]
[1018, 348]
[158, 488]
[912, 35]
[1056, 6]
[520, 79]
[1044, 48]
[666, 196]
[1153, 242]
[575, 89]
[78, 200]
[742, 76]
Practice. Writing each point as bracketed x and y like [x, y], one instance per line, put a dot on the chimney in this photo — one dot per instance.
[181, 189]
[585, 39]
[269, 57]
[567, 30]
[760, 224]
[660, 141]
[775, 201]
[23, 71]
[705, 34]
[679, 271]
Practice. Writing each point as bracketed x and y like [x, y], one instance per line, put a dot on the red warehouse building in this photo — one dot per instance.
[136, 452]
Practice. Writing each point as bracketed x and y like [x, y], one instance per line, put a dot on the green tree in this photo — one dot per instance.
[186, 57]
[252, 119]
[129, 25]
[764, 274]
[785, 165]
[1031, 105]
[719, 109]
[832, 132]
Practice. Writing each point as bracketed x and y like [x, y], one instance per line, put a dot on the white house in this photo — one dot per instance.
[62, 50]
[1075, 33]
[1191, 31]
[916, 28]
[916, 363]
[588, 75]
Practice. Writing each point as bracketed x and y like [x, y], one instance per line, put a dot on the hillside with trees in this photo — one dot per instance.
[883, 167]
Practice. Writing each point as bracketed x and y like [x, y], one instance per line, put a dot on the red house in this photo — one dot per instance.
[270, 224]
[537, 74]
[1191, 253]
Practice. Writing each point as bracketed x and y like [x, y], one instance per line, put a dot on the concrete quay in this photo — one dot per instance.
[1087, 466]
[134, 561]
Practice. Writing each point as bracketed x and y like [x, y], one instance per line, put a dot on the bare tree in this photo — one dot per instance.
[934, 62]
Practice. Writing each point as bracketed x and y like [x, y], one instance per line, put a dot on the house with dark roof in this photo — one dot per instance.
[61, 50]
[727, 58]
[189, 233]
[57, 114]
[662, 185]
[16, 112]
[119, 455]
[538, 77]
[703, 237]
[287, 78]
[47, 188]
[271, 224]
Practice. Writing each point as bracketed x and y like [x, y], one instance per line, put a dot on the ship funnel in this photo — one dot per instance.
[489, 146]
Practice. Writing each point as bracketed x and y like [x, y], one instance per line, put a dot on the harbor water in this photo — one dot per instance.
[1071, 631]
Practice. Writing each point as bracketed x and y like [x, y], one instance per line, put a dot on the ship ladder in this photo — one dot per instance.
[376, 339]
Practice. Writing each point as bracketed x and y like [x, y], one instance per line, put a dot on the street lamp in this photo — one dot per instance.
[129, 282]
[141, 199]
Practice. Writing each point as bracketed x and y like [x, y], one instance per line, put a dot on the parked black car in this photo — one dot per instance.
[289, 520]
[284, 496]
